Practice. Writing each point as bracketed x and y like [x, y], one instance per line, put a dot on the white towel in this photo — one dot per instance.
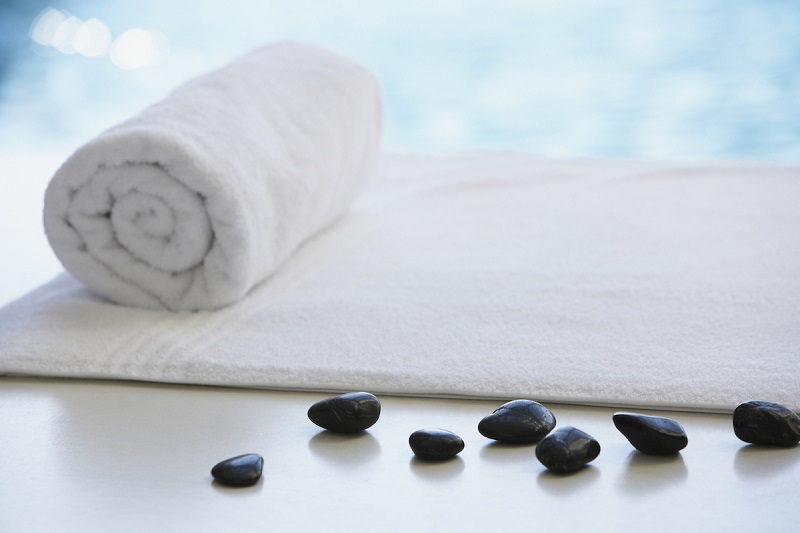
[203, 195]
[491, 276]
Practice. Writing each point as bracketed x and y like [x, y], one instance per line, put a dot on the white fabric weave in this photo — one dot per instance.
[489, 276]
[203, 195]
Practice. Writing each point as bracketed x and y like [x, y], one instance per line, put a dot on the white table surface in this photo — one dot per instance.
[106, 456]
[111, 456]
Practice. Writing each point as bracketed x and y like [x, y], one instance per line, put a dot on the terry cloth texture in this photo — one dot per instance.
[203, 195]
[632, 284]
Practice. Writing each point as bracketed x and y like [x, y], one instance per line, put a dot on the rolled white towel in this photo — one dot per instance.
[202, 196]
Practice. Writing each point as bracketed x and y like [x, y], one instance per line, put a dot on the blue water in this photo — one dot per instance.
[630, 78]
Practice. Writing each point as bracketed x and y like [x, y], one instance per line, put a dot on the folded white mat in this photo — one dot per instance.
[203, 195]
[490, 276]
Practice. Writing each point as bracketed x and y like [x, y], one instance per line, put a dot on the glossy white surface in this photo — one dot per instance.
[102, 456]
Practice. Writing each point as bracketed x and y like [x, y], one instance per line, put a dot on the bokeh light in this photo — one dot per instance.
[139, 48]
[92, 38]
[46, 24]
[62, 38]
[135, 48]
[620, 78]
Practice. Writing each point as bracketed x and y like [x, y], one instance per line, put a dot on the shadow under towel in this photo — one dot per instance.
[489, 276]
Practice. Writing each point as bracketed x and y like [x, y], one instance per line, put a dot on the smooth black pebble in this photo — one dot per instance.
[240, 471]
[435, 444]
[348, 413]
[567, 449]
[653, 435]
[517, 422]
[759, 422]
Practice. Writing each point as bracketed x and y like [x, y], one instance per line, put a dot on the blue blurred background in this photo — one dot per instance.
[665, 79]
[621, 78]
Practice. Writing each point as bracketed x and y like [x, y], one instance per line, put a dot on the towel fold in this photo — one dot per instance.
[202, 196]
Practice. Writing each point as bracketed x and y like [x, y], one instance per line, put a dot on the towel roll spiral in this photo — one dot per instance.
[202, 196]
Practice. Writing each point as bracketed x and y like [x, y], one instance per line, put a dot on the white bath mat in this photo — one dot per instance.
[487, 276]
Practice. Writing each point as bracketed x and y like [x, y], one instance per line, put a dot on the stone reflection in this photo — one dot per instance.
[506, 454]
[344, 450]
[565, 485]
[649, 474]
[437, 471]
[764, 462]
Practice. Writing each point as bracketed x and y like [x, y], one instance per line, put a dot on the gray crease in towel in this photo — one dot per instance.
[202, 196]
